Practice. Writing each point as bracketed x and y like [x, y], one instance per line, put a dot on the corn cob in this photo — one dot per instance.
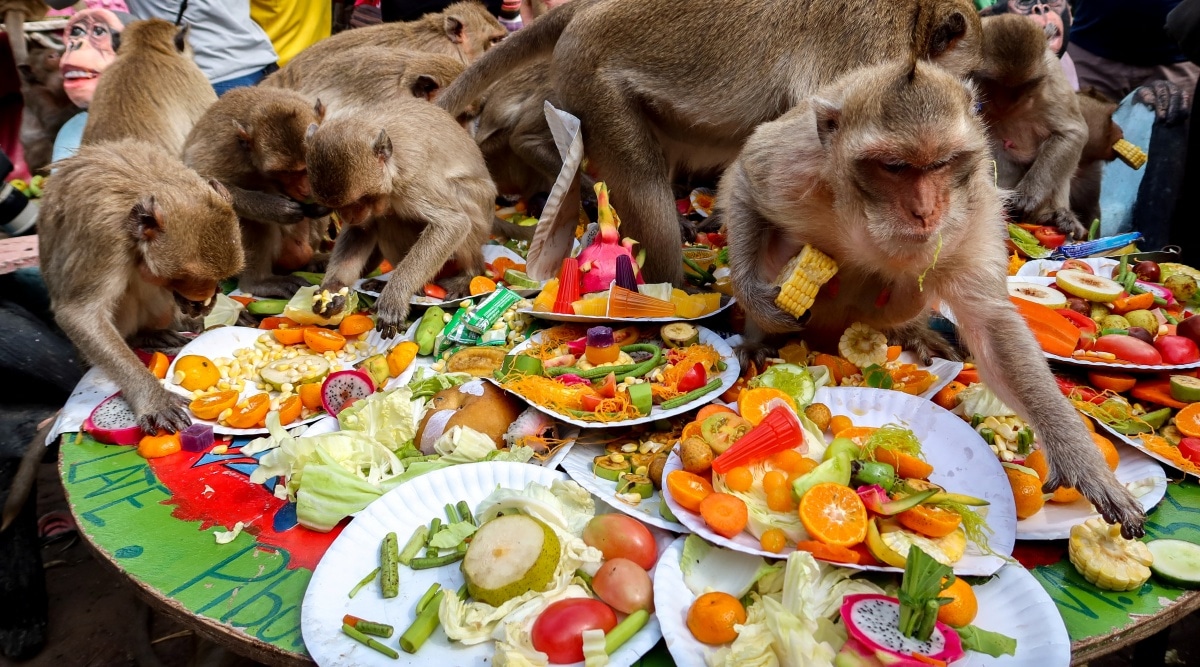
[1106, 559]
[1130, 154]
[801, 278]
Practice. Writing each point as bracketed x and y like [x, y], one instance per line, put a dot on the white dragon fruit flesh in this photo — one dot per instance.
[342, 388]
[113, 422]
[873, 623]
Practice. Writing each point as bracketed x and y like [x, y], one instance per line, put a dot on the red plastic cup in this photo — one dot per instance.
[568, 286]
[778, 431]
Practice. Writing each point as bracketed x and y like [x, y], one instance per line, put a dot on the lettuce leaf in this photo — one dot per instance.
[424, 385]
[817, 589]
[753, 646]
[453, 535]
[708, 568]
[793, 380]
[977, 399]
[300, 308]
[987, 642]
[1027, 242]
[390, 418]
[463, 444]
[224, 312]
[565, 506]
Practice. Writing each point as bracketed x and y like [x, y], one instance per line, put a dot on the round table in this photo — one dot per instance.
[153, 521]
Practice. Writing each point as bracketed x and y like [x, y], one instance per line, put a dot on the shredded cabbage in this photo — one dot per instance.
[761, 517]
[707, 568]
[224, 312]
[390, 418]
[424, 386]
[977, 399]
[754, 645]
[463, 444]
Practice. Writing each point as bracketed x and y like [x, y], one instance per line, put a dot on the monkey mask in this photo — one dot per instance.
[88, 37]
[1053, 15]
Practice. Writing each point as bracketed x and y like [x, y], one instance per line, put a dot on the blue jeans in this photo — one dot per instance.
[250, 79]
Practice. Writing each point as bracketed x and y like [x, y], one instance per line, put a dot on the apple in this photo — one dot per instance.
[1147, 270]
[1189, 328]
[1129, 349]
[1177, 349]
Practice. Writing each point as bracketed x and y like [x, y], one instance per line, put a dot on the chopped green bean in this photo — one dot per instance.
[368, 642]
[433, 590]
[451, 514]
[435, 527]
[435, 561]
[414, 544]
[366, 580]
[712, 386]
[464, 511]
[368, 627]
[389, 562]
[625, 630]
[427, 621]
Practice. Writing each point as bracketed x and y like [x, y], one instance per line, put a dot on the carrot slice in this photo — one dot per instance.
[1117, 382]
[688, 489]
[271, 323]
[905, 464]
[1142, 301]
[250, 412]
[1054, 333]
[1157, 392]
[158, 365]
[355, 324]
[834, 514]
[289, 335]
[930, 520]
[829, 552]
[323, 340]
[725, 513]
[967, 376]
[310, 395]
[1187, 420]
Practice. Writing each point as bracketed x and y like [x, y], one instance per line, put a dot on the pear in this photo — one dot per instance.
[508, 557]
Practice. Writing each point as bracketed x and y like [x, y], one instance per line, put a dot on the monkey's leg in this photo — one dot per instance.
[440, 239]
[354, 248]
[264, 207]
[1043, 194]
[101, 343]
[261, 243]
[1011, 363]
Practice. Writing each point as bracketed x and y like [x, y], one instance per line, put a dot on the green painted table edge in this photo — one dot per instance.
[242, 596]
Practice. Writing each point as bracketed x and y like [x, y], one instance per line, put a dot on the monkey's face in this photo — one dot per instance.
[278, 147]
[348, 170]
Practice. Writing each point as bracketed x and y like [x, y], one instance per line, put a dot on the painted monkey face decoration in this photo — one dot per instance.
[1053, 15]
[88, 37]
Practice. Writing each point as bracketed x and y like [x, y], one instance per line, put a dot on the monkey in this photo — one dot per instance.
[888, 172]
[131, 242]
[409, 185]
[1103, 132]
[252, 141]
[628, 70]
[16, 13]
[513, 134]
[464, 30]
[152, 91]
[1035, 127]
[47, 106]
[367, 75]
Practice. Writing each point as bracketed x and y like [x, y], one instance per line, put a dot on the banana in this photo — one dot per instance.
[1106, 559]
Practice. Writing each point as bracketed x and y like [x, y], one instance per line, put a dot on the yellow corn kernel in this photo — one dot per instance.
[802, 278]
[1130, 154]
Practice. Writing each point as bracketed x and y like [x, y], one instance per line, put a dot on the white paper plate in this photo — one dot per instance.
[728, 377]
[1055, 520]
[944, 369]
[1103, 266]
[353, 554]
[726, 302]
[1137, 444]
[578, 464]
[1013, 603]
[961, 462]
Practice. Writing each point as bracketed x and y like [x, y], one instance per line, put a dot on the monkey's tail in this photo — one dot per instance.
[531, 42]
[14, 25]
[23, 480]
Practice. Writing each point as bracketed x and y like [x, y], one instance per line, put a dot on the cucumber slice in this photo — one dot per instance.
[680, 334]
[1176, 562]
[518, 279]
[1184, 388]
[605, 467]
[296, 371]
[639, 484]
[642, 397]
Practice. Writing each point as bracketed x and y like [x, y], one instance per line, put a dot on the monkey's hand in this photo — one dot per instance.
[1167, 100]
[279, 287]
[161, 411]
[926, 343]
[755, 352]
[315, 210]
[757, 298]
[1066, 222]
[1089, 476]
[456, 287]
[390, 313]
[269, 208]
[335, 304]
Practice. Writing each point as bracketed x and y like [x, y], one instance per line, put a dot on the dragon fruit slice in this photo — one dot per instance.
[598, 261]
[873, 623]
[113, 422]
[342, 388]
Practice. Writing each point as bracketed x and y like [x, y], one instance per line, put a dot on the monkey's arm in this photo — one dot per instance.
[261, 244]
[1012, 365]
[265, 207]
[436, 244]
[1043, 194]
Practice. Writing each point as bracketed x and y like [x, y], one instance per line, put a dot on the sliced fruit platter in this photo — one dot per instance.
[724, 608]
[766, 482]
[485, 564]
[1139, 319]
[601, 377]
[502, 267]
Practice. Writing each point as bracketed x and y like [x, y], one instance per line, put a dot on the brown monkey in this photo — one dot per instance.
[1034, 124]
[130, 240]
[463, 30]
[630, 70]
[1097, 111]
[47, 106]
[367, 75]
[252, 141]
[513, 135]
[16, 13]
[152, 91]
[888, 172]
[408, 184]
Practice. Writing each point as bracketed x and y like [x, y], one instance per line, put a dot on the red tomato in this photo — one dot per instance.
[620, 536]
[1078, 264]
[1129, 349]
[1177, 349]
[1081, 321]
[624, 586]
[434, 291]
[589, 402]
[1050, 237]
[558, 631]
[716, 240]
[1190, 448]
[693, 379]
[608, 387]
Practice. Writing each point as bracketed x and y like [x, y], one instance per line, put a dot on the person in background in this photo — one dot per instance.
[411, 10]
[293, 26]
[88, 51]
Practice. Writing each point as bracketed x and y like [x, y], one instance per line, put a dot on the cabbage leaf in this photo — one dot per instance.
[708, 568]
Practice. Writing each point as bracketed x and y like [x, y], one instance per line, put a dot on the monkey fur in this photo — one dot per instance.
[47, 106]
[16, 13]
[153, 90]
[1103, 132]
[409, 185]
[631, 71]
[131, 241]
[252, 141]
[1035, 127]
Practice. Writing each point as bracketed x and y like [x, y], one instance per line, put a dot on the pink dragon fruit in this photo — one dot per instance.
[598, 261]
[873, 623]
[342, 388]
[113, 422]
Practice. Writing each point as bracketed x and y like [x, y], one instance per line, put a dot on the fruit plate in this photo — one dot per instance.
[1055, 520]
[707, 336]
[491, 253]
[1103, 266]
[961, 462]
[578, 464]
[1137, 444]
[354, 553]
[726, 302]
[223, 341]
[1013, 603]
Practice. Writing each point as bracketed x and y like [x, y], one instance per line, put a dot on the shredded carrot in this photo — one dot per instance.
[666, 389]
[559, 397]
[550, 340]
[1161, 446]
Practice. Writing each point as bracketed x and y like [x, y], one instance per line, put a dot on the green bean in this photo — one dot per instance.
[433, 590]
[712, 385]
[435, 561]
[427, 621]
[462, 591]
[414, 544]
[721, 365]
[451, 514]
[389, 562]
[464, 511]
[625, 630]
[435, 527]
[366, 580]
[701, 272]
[601, 371]
[369, 642]
[368, 627]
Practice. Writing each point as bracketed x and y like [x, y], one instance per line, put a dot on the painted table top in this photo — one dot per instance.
[154, 522]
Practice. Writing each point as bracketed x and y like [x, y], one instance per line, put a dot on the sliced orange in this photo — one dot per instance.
[250, 413]
[1188, 420]
[399, 358]
[289, 410]
[688, 489]
[906, 465]
[834, 514]
[693, 429]
[482, 285]
[754, 404]
[355, 324]
[323, 340]
[828, 552]
[198, 372]
[930, 520]
[288, 335]
[162, 444]
[310, 395]
[211, 406]
[158, 365]
[915, 382]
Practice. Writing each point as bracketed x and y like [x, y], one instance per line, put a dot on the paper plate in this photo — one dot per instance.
[354, 553]
[707, 336]
[726, 302]
[1137, 444]
[1012, 603]
[491, 252]
[1055, 520]
[961, 462]
[1103, 266]
[578, 464]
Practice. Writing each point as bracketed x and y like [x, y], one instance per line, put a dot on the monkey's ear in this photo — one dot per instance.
[948, 31]
[181, 37]
[221, 191]
[312, 129]
[244, 135]
[319, 108]
[829, 115]
[145, 220]
[426, 87]
[455, 29]
[382, 148]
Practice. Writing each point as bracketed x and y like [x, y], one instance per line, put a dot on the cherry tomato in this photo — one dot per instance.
[1190, 448]
[695, 378]
[608, 387]
[620, 536]
[624, 586]
[589, 402]
[1050, 237]
[558, 631]
[435, 292]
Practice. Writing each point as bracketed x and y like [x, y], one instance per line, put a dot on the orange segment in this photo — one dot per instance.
[158, 365]
[829, 552]
[834, 514]
[310, 395]
[198, 372]
[712, 616]
[481, 285]
[162, 444]
[754, 404]
[289, 410]
[930, 520]
[688, 489]
[399, 358]
[250, 413]
[1188, 420]
[355, 324]
[212, 405]
[288, 335]
[322, 340]
[964, 607]
[905, 465]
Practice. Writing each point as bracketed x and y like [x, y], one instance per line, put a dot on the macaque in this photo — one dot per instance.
[1097, 111]
[16, 13]
[153, 91]
[887, 171]
[641, 75]
[464, 30]
[133, 242]
[367, 75]
[513, 135]
[47, 106]
[409, 185]
[252, 141]
[1034, 124]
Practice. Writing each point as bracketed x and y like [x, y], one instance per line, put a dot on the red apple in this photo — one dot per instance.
[1177, 349]
[1129, 349]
